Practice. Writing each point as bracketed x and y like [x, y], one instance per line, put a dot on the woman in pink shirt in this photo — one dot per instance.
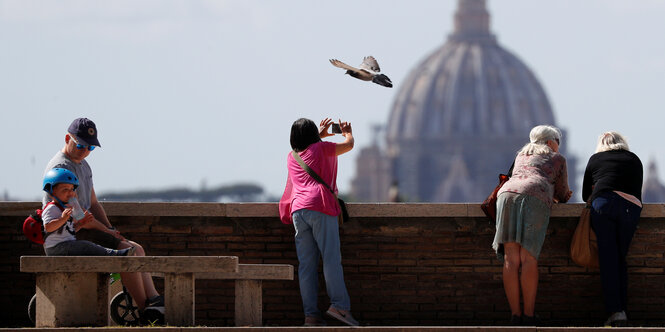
[313, 210]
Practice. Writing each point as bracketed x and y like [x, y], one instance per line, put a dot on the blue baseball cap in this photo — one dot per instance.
[85, 131]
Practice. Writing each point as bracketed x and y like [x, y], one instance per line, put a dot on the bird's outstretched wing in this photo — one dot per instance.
[369, 63]
[343, 65]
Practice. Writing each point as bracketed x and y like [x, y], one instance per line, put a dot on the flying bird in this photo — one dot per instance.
[369, 71]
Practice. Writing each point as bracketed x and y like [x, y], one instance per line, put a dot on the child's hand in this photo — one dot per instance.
[66, 213]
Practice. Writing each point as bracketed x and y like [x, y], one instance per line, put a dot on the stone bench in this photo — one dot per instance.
[249, 288]
[73, 290]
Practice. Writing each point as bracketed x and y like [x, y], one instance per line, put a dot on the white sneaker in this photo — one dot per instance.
[617, 319]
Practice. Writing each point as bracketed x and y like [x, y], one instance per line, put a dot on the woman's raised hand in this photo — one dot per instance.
[346, 128]
[323, 127]
[347, 145]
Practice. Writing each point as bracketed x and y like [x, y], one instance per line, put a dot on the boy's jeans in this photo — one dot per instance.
[317, 234]
[79, 248]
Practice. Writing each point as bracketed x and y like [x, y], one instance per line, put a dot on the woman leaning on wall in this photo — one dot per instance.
[539, 178]
[613, 186]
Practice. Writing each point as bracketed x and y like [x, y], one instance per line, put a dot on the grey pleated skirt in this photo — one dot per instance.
[522, 219]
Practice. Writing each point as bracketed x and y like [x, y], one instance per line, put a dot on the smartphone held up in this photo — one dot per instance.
[336, 129]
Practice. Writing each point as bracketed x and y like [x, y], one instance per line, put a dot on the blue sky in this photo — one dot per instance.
[187, 92]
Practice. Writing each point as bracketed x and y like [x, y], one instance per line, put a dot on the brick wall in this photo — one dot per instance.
[404, 264]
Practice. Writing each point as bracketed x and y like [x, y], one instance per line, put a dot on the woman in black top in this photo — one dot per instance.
[613, 185]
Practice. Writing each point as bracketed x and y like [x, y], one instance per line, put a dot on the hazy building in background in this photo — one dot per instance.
[653, 190]
[457, 120]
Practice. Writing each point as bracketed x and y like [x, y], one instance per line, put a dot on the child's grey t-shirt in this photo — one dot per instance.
[51, 213]
[82, 171]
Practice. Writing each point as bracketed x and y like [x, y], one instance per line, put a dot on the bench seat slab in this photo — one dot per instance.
[253, 271]
[112, 264]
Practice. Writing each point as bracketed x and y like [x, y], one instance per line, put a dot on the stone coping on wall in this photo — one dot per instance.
[342, 329]
[360, 210]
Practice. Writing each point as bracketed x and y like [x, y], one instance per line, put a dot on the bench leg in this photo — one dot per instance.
[179, 299]
[249, 303]
[71, 299]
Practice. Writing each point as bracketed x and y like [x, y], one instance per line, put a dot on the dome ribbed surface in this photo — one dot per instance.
[457, 120]
[468, 86]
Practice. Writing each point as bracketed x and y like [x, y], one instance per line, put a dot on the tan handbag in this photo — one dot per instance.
[489, 204]
[583, 247]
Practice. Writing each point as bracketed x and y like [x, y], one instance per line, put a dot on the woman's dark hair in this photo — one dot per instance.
[304, 132]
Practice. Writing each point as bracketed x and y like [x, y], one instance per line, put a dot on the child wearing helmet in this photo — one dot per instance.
[60, 240]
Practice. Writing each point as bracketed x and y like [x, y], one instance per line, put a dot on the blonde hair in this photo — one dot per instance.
[538, 138]
[611, 140]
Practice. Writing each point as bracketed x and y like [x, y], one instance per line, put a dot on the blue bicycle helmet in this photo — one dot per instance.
[59, 175]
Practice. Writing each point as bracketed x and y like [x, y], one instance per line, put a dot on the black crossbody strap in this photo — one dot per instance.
[310, 171]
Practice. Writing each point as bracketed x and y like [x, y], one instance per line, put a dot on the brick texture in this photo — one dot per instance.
[399, 270]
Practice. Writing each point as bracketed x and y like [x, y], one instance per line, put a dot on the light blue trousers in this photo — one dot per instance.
[317, 235]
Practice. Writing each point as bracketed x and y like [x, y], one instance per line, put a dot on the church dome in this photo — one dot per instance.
[458, 120]
[470, 86]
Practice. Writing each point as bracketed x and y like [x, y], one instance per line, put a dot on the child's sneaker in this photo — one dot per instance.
[125, 252]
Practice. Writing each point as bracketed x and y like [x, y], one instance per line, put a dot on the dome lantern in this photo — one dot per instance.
[472, 22]
[458, 118]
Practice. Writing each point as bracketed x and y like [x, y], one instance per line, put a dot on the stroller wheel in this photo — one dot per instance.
[123, 310]
[32, 309]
